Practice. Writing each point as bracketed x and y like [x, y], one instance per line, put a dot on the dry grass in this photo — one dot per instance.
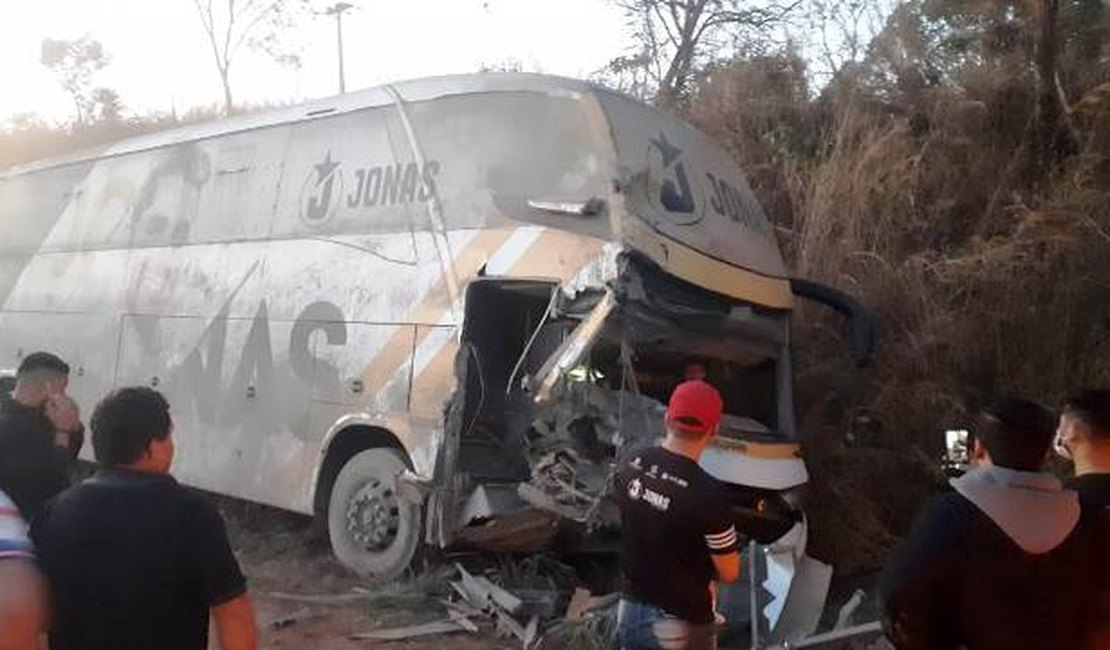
[984, 284]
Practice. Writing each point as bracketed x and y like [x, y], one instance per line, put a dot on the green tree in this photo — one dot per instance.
[75, 63]
[106, 105]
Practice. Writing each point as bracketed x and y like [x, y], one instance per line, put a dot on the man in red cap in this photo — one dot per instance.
[676, 533]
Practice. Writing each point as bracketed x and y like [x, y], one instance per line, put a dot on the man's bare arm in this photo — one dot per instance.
[235, 626]
[22, 605]
[727, 566]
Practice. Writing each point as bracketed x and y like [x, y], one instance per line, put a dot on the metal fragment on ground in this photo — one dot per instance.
[447, 626]
[321, 599]
[293, 618]
[483, 594]
[462, 620]
[497, 603]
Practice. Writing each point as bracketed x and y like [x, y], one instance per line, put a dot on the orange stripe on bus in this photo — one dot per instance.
[430, 310]
[557, 255]
[432, 386]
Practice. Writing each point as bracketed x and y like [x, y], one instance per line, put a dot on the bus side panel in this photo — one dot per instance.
[86, 341]
[239, 413]
[66, 303]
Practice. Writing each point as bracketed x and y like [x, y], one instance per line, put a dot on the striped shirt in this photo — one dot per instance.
[674, 519]
[13, 531]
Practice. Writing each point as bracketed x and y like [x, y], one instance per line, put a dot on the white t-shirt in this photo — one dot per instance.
[13, 531]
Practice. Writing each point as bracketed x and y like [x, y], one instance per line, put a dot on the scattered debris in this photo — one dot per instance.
[462, 620]
[526, 531]
[574, 443]
[461, 609]
[288, 620]
[582, 603]
[508, 626]
[413, 631]
[590, 623]
[848, 611]
[488, 501]
[542, 500]
[483, 594]
[479, 593]
[541, 602]
[322, 599]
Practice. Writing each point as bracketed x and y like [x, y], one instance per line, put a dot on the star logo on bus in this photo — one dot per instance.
[669, 181]
[321, 192]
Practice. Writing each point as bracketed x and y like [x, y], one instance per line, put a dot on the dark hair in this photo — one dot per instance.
[41, 361]
[126, 421]
[1093, 407]
[1017, 433]
[691, 428]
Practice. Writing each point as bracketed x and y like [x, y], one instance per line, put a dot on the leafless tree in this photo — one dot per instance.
[231, 24]
[677, 36]
[835, 33]
[1051, 134]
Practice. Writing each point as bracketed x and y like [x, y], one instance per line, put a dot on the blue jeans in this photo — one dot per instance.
[643, 627]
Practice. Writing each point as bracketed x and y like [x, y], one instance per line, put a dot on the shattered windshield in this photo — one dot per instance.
[625, 394]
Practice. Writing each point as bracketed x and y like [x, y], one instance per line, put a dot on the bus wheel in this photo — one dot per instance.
[373, 530]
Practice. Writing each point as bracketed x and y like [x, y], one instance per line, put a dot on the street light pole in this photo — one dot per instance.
[337, 10]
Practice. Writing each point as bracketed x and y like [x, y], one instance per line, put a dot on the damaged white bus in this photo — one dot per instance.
[433, 313]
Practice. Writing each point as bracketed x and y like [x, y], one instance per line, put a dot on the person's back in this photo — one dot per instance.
[677, 537]
[1001, 562]
[668, 503]
[965, 580]
[135, 560]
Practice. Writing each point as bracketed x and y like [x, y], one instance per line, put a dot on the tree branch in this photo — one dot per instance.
[663, 21]
[208, 21]
[258, 18]
[230, 28]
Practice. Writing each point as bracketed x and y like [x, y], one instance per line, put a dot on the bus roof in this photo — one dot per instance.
[413, 90]
[690, 207]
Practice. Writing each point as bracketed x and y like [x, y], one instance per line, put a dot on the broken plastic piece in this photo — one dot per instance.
[589, 208]
[413, 631]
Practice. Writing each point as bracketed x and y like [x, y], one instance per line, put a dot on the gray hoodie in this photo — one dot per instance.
[1032, 508]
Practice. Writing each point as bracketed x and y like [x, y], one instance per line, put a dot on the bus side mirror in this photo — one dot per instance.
[864, 335]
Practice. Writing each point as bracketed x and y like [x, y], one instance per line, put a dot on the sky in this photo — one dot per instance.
[161, 60]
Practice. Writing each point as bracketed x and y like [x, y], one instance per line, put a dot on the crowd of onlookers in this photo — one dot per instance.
[126, 559]
[1009, 558]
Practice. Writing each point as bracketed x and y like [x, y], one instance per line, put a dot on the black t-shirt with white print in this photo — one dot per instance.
[673, 517]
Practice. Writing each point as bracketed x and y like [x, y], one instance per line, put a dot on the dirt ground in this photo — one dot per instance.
[290, 570]
[286, 558]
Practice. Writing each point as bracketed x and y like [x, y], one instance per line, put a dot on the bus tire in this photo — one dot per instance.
[373, 530]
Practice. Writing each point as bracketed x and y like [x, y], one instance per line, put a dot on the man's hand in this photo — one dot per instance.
[235, 626]
[64, 414]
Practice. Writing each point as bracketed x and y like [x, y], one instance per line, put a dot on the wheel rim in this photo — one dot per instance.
[374, 516]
